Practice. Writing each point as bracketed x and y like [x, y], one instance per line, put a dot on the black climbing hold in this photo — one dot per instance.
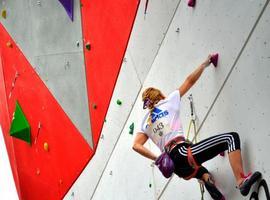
[88, 46]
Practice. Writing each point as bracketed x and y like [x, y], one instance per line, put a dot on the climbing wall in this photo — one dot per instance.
[52, 66]
[239, 32]
[168, 40]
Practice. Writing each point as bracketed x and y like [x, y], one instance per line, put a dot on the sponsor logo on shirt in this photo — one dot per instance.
[158, 114]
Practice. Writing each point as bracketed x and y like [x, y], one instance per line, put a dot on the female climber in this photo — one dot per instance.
[163, 126]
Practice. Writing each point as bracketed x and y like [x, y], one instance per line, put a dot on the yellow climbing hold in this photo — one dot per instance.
[46, 146]
[4, 14]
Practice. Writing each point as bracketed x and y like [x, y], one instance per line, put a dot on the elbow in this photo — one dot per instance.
[135, 147]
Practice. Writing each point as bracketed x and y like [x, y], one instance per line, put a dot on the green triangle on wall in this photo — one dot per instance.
[20, 127]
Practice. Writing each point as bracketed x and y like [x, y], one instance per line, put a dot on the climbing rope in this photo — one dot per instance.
[193, 123]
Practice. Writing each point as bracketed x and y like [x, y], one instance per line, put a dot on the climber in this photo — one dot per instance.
[163, 126]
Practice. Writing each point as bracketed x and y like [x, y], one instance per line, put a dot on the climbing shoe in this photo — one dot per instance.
[213, 191]
[250, 179]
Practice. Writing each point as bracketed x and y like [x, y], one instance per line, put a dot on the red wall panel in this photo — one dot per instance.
[68, 151]
[106, 26]
[39, 174]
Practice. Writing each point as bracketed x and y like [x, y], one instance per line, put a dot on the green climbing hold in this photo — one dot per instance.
[88, 46]
[119, 102]
[20, 127]
[131, 128]
[150, 185]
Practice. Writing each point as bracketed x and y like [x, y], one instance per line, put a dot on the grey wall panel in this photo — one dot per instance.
[19, 24]
[52, 30]
[64, 75]
[48, 39]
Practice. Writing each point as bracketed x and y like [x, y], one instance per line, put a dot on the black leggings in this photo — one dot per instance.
[203, 151]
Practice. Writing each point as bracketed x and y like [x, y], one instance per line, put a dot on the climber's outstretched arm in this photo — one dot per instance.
[194, 76]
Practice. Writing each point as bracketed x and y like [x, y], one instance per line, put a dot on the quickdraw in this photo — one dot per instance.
[191, 159]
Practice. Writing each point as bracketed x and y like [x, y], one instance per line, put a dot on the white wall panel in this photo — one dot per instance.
[7, 184]
[213, 26]
[148, 32]
[242, 106]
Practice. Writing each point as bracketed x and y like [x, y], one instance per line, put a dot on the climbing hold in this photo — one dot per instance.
[4, 13]
[150, 185]
[131, 128]
[20, 127]
[78, 43]
[191, 3]
[105, 120]
[38, 171]
[69, 7]
[177, 30]
[46, 146]
[60, 181]
[94, 106]
[81, 5]
[88, 46]
[119, 102]
[9, 44]
[214, 59]
[222, 154]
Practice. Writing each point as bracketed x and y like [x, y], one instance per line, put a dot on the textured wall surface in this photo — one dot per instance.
[165, 46]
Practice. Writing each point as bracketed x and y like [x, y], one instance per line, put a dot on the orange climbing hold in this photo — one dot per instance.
[9, 44]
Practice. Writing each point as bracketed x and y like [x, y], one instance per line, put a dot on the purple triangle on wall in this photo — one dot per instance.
[68, 5]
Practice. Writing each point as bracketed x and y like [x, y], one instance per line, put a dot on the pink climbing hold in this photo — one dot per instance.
[222, 154]
[191, 3]
[214, 59]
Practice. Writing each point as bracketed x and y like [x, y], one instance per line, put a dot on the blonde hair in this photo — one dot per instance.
[154, 95]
